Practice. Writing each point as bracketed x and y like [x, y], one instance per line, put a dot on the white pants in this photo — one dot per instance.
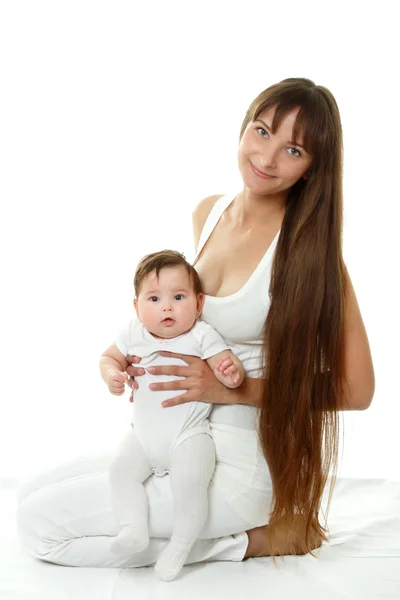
[191, 467]
[65, 516]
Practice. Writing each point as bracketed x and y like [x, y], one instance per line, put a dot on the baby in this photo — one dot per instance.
[175, 440]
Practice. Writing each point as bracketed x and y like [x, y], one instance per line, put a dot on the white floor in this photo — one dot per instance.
[362, 561]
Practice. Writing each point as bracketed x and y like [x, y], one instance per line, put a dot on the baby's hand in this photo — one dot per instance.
[116, 382]
[228, 373]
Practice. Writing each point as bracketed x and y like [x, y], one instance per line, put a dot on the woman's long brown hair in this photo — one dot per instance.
[303, 355]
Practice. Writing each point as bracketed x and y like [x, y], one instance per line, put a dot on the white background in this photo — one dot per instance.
[116, 118]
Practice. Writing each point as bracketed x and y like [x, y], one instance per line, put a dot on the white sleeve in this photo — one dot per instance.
[126, 337]
[211, 342]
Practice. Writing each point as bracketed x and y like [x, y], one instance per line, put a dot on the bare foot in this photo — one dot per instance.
[285, 542]
[258, 542]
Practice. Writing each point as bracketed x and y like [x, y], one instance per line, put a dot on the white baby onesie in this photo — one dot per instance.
[160, 430]
[154, 446]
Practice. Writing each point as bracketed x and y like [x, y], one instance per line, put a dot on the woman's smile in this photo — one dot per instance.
[259, 173]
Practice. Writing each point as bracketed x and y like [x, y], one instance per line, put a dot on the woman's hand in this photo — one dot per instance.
[200, 382]
[133, 372]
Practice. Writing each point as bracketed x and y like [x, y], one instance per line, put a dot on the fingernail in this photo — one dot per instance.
[150, 369]
[164, 404]
[152, 386]
[142, 371]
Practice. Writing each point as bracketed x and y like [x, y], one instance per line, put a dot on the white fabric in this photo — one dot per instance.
[129, 468]
[240, 318]
[160, 430]
[192, 465]
[361, 561]
[154, 446]
[202, 340]
[66, 516]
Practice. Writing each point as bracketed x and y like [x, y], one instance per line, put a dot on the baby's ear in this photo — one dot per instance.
[135, 304]
[200, 303]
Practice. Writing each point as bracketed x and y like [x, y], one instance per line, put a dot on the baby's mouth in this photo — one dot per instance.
[168, 321]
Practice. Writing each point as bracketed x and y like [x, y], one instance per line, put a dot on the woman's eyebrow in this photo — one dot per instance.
[293, 142]
[265, 125]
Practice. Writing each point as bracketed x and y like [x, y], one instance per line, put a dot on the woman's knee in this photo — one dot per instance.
[39, 526]
[34, 526]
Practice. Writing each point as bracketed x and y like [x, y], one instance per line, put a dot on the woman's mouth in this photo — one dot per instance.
[257, 172]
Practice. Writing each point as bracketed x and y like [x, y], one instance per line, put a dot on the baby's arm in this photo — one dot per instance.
[227, 368]
[113, 365]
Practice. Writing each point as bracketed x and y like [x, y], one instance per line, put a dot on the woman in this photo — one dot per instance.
[277, 289]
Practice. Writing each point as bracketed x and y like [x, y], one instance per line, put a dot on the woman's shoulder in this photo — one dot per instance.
[200, 214]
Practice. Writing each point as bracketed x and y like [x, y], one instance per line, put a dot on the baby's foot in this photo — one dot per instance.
[130, 540]
[172, 559]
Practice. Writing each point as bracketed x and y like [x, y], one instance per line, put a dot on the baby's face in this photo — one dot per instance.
[168, 306]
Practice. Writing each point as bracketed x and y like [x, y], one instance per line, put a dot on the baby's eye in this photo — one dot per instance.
[178, 297]
[153, 298]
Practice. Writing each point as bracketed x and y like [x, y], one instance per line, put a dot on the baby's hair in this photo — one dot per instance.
[159, 260]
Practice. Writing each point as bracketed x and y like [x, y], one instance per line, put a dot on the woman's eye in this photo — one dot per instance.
[262, 129]
[295, 152]
[178, 297]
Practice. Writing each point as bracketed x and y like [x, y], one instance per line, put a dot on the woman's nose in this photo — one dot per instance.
[268, 158]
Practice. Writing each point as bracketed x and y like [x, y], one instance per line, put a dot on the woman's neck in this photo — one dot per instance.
[250, 210]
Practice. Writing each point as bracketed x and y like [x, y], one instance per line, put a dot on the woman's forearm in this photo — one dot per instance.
[248, 393]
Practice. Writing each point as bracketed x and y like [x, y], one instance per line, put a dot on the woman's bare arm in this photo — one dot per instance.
[359, 369]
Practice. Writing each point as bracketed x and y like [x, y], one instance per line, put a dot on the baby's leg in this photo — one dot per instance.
[192, 467]
[128, 470]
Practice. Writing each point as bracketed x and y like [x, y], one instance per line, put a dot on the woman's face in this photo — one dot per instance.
[281, 160]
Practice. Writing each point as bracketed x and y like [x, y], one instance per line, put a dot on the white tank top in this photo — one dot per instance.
[239, 318]
[241, 472]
